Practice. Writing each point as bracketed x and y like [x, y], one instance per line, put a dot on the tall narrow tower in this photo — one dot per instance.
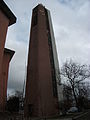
[41, 97]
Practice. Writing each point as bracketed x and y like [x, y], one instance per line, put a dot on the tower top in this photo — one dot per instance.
[39, 5]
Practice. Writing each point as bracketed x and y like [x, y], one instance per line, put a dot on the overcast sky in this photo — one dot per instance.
[71, 24]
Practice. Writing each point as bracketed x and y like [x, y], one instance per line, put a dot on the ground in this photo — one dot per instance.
[76, 116]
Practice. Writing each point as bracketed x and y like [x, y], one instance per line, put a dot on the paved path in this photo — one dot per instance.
[84, 116]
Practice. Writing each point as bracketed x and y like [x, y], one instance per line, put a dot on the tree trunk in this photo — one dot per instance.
[75, 96]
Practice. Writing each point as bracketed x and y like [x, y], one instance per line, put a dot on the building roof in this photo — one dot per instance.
[4, 8]
[11, 52]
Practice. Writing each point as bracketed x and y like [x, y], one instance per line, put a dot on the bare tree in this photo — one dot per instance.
[83, 95]
[75, 74]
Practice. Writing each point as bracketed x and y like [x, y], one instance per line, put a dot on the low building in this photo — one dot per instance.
[7, 18]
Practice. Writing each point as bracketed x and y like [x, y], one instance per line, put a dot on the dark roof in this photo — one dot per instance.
[4, 8]
[11, 52]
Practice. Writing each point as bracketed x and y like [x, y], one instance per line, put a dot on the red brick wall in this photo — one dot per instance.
[5, 68]
[39, 89]
[3, 31]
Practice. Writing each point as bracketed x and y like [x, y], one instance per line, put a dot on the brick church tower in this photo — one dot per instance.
[41, 97]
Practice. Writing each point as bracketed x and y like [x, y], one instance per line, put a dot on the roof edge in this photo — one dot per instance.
[4, 8]
[11, 52]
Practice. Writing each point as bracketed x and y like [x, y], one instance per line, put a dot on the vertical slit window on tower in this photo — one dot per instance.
[35, 20]
[35, 17]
